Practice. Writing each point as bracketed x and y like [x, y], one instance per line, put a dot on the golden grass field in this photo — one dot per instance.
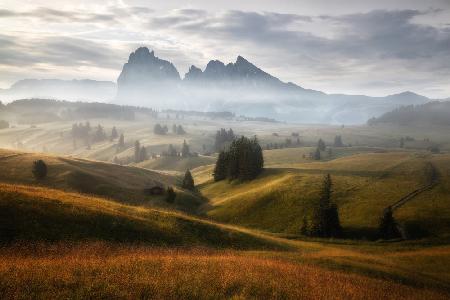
[364, 184]
[103, 271]
[87, 231]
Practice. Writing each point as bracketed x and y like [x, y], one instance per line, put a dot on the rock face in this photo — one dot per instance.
[143, 73]
[243, 88]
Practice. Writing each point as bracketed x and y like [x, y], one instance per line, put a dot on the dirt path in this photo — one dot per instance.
[433, 181]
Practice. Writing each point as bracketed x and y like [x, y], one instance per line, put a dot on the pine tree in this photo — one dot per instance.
[317, 154]
[188, 181]
[220, 170]
[338, 141]
[387, 228]
[185, 150]
[137, 151]
[39, 169]
[325, 217]
[114, 133]
[321, 145]
[143, 154]
[121, 143]
[170, 195]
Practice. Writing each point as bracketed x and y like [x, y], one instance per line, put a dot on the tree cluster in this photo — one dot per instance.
[288, 143]
[243, 160]
[178, 129]
[223, 139]
[140, 153]
[160, 130]
[324, 221]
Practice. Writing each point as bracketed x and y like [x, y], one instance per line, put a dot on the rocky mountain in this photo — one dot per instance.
[144, 73]
[61, 89]
[243, 88]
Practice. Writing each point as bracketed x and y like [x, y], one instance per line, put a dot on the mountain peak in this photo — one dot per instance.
[241, 60]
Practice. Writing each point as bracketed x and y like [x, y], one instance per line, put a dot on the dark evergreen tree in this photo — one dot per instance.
[137, 151]
[388, 228]
[174, 128]
[325, 218]
[317, 155]
[121, 143]
[143, 154]
[321, 145]
[220, 170]
[180, 130]
[185, 152]
[338, 141]
[114, 133]
[188, 181]
[39, 169]
[171, 151]
[170, 195]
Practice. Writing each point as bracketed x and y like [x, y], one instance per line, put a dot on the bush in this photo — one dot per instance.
[39, 169]
[170, 195]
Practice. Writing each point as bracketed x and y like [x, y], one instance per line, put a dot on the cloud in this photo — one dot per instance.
[338, 53]
[110, 14]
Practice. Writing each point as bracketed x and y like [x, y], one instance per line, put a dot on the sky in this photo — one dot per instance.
[344, 46]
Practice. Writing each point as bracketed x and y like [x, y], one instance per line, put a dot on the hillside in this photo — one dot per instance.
[364, 185]
[178, 164]
[34, 214]
[432, 113]
[121, 183]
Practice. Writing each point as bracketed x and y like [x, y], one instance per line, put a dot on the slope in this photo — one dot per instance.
[363, 186]
[36, 214]
[125, 184]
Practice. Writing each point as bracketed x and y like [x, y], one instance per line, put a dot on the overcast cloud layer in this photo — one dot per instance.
[358, 48]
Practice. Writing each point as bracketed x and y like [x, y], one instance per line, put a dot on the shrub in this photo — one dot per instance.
[170, 195]
[39, 169]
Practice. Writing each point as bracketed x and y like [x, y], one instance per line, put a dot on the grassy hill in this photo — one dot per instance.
[36, 214]
[364, 185]
[121, 183]
[179, 164]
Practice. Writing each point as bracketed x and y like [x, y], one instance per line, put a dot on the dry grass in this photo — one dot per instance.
[122, 272]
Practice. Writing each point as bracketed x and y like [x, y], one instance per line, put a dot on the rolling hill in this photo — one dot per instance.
[363, 184]
[38, 214]
[121, 183]
[178, 164]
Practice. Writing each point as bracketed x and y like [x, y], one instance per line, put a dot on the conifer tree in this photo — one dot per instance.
[317, 154]
[325, 218]
[387, 228]
[220, 170]
[170, 195]
[39, 169]
[137, 151]
[114, 133]
[143, 154]
[321, 145]
[188, 181]
[121, 143]
[185, 150]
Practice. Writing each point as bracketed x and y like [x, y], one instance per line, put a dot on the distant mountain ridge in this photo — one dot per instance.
[243, 88]
[239, 87]
[84, 89]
